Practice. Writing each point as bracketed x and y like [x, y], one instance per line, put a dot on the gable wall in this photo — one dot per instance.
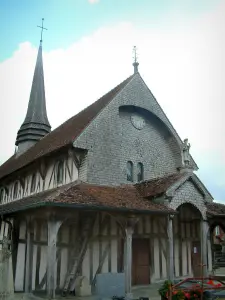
[112, 141]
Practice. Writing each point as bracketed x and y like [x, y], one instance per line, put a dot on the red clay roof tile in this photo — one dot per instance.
[158, 186]
[86, 195]
[215, 209]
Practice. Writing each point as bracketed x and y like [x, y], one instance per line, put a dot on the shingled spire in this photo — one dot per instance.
[36, 124]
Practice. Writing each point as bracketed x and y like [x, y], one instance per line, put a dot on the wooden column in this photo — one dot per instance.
[128, 262]
[129, 229]
[53, 228]
[204, 245]
[29, 255]
[171, 250]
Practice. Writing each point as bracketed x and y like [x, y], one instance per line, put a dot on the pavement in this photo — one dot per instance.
[150, 291]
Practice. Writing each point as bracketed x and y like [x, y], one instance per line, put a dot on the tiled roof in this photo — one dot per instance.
[83, 195]
[62, 136]
[215, 209]
[158, 186]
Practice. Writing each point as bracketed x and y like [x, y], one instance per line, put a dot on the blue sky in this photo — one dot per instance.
[88, 51]
[69, 20]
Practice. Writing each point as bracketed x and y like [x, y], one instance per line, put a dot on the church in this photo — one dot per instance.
[110, 192]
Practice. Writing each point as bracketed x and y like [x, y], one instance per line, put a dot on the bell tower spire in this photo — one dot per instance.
[36, 124]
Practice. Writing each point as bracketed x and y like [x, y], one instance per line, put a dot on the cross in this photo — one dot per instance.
[42, 28]
[135, 53]
[135, 63]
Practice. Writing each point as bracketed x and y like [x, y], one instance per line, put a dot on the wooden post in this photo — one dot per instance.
[129, 229]
[53, 228]
[171, 250]
[29, 255]
[204, 233]
[128, 262]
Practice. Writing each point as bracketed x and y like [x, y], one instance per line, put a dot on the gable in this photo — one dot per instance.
[188, 192]
[112, 140]
[135, 93]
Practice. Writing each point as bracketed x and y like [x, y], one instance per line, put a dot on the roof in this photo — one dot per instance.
[62, 136]
[158, 186]
[215, 209]
[89, 196]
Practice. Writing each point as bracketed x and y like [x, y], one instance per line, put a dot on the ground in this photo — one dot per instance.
[150, 291]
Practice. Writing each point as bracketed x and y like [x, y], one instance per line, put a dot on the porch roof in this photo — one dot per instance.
[158, 186]
[81, 195]
[215, 209]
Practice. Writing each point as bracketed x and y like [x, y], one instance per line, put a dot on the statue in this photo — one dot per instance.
[186, 155]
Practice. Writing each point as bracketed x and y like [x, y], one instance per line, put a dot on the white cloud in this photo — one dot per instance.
[183, 66]
[93, 1]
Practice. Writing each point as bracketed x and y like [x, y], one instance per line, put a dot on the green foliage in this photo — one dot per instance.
[164, 291]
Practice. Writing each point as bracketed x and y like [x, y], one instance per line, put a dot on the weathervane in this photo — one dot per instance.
[135, 63]
[42, 28]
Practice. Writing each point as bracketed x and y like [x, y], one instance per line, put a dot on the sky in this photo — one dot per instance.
[87, 50]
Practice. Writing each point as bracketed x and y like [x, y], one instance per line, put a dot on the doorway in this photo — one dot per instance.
[140, 262]
[196, 258]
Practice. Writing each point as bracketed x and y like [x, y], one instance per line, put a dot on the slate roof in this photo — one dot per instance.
[62, 136]
[215, 209]
[158, 186]
[89, 196]
[36, 124]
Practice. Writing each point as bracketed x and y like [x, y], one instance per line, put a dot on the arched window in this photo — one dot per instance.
[33, 183]
[129, 171]
[15, 190]
[140, 172]
[60, 172]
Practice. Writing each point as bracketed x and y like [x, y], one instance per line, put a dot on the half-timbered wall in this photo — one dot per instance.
[105, 235]
[22, 188]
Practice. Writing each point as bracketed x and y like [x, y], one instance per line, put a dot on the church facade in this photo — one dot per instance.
[112, 190]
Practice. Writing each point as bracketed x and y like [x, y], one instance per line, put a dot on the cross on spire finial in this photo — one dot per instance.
[135, 63]
[42, 28]
[135, 53]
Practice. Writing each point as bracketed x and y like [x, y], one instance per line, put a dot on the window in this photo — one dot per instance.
[129, 171]
[217, 230]
[60, 172]
[33, 183]
[140, 174]
[15, 190]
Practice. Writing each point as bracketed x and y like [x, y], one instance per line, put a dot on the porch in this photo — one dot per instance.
[54, 246]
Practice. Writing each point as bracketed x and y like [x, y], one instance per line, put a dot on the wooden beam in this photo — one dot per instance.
[77, 261]
[15, 242]
[130, 224]
[38, 256]
[53, 228]
[43, 169]
[76, 160]
[29, 255]
[103, 257]
[171, 248]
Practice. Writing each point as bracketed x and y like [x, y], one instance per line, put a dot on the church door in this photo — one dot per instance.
[140, 262]
[196, 259]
